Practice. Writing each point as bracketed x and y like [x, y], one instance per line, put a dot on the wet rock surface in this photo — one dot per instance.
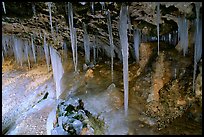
[73, 119]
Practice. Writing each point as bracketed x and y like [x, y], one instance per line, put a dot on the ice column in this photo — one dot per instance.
[124, 44]
[111, 40]
[33, 49]
[72, 35]
[136, 36]
[4, 7]
[57, 69]
[47, 56]
[50, 12]
[86, 45]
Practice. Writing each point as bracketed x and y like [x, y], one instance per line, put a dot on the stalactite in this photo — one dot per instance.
[2, 57]
[102, 5]
[47, 55]
[33, 49]
[18, 50]
[136, 36]
[4, 45]
[75, 40]
[183, 34]
[124, 44]
[86, 45]
[198, 42]
[111, 41]
[97, 48]
[92, 7]
[27, 54]
[4, 7]
[50, 12]
[94, 50]
[71, 27]
[57, 69]
[33, 8]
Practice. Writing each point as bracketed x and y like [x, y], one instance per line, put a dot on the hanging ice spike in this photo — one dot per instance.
[111, 40]
[124, 44]
[4, 7]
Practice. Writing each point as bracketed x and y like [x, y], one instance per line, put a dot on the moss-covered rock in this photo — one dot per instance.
[73, 119]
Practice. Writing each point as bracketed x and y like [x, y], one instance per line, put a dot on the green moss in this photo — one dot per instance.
[97, 124]
[94, 122]
[79, 117]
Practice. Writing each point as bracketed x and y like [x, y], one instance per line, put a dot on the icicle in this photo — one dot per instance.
[10, 46]
[47, 56]
[57, 69]
[4, 7]
[33, 49]
[2, 57]
[33, 8]
[4, 44]
[124, 44]
[75, 40]
[92, 7]
[94, 50]
[174, 38]
[179, 28]
[86, 45]
[183, 34]
[96, 46]
[102, 5]
[111, 41]
[70, 17]
[26, 54]
[136, 36]
[158, 20]
[30, 53]
[18, 51]
[14, 48]
[50, 12]
[198, 42]
[169, 38]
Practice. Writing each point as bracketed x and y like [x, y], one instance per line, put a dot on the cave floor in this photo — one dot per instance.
[24, 111]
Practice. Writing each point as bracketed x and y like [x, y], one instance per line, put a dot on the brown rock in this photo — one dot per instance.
[145, 53]
[89, 74]
[181, 102]
[86, 131]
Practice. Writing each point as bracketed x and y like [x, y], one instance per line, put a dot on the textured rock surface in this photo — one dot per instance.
[21, 20]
